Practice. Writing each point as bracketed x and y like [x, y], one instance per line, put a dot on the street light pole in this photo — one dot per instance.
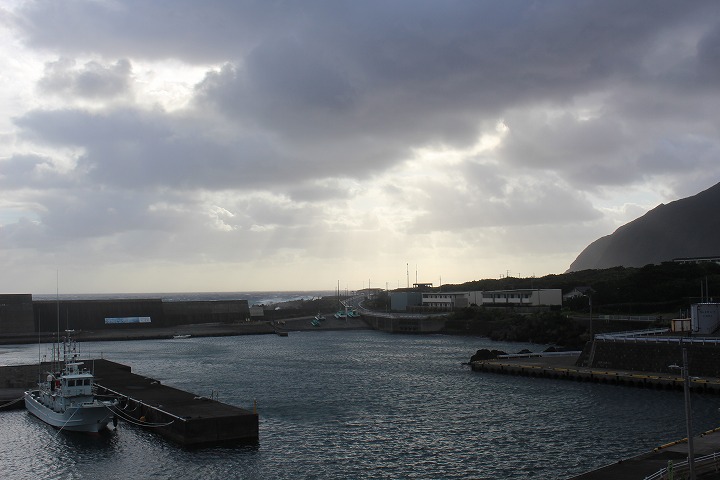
[688, 413]
[591, 329]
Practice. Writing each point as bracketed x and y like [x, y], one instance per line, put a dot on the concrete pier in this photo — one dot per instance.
[14, 380]
[180, 416]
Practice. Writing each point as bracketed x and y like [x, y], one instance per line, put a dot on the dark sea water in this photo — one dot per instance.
[357, 404]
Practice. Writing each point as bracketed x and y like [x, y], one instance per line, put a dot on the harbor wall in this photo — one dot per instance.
[16, 313]
[703, 358]
[211, 311]
[98, 314]
[404, 324]
[20, 315]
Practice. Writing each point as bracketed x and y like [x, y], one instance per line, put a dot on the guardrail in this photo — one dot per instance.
[702, 465]
[541, 354]
[628, 318]
[632, 333]
[666, 340]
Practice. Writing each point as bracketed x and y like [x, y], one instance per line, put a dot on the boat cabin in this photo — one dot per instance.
[77, 383]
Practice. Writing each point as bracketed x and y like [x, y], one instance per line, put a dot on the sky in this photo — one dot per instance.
[182, 146]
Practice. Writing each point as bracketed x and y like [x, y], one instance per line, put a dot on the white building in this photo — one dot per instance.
[531, 296]
[445, 301]
[705, 317]
[528, 297]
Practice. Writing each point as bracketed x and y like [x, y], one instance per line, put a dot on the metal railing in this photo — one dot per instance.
[705, 464]
[631, 334]
[628, 318]
[541, 354]
[140, 402]
[650, 339]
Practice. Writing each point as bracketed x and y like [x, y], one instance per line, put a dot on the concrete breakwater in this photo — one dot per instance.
[21, 315]
[404, 323]
[652, 354]
[24, 320]
[564, 368]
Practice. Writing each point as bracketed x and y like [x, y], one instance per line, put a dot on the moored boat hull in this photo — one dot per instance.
[89, 417]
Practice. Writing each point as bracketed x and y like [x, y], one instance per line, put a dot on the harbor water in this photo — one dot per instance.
[357, 404]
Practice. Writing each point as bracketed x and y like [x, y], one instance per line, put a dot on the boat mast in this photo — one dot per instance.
[39, 353]
[57, 314]
[57, 303]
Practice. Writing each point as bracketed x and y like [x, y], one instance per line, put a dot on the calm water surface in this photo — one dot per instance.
[359, 404]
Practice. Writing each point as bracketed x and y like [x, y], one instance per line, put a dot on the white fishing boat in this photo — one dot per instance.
[66, 400]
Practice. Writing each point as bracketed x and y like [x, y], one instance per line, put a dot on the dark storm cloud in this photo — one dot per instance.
[137, 149]
[193, 31]
[93, 80]
[356, 85]
[23, 171]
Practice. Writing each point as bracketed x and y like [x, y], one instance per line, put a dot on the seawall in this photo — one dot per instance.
[653, 354]
[398, 323]
[21, 315]
[564, 368]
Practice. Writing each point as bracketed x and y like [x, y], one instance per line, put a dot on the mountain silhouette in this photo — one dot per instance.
[689, 227]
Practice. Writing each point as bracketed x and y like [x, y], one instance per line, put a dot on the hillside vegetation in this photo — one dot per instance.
[669, 288]
[652, 289]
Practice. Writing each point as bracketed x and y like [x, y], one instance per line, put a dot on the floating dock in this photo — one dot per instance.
[180, 416]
